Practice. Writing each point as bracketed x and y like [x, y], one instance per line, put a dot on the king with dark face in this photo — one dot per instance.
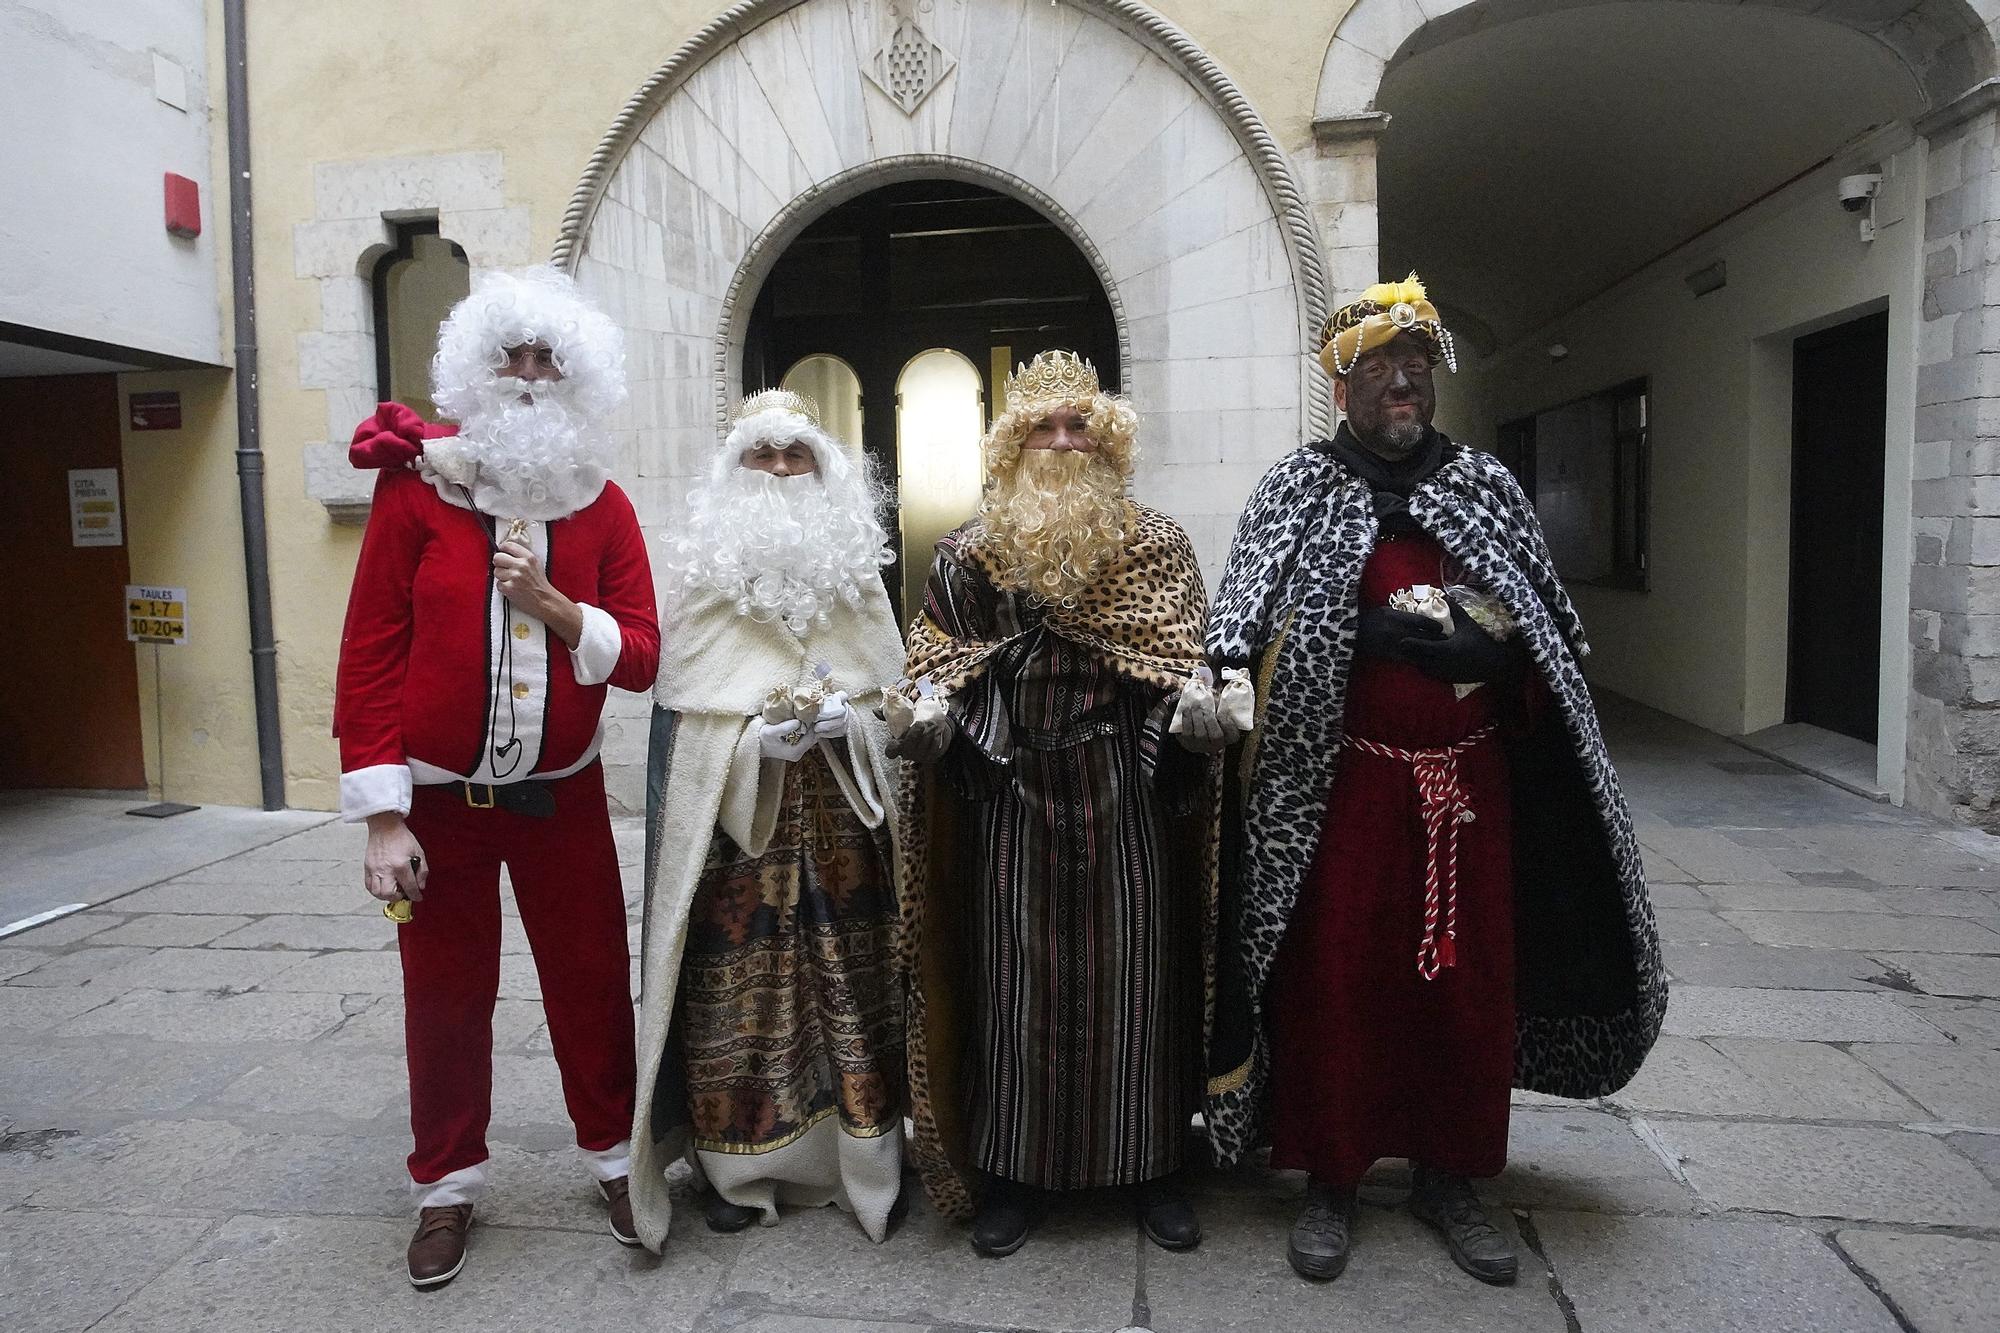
[1385, 582]
[1388, 397]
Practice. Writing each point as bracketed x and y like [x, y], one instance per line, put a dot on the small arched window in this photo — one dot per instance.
[832, 383]
[938, 419]
[415, 285]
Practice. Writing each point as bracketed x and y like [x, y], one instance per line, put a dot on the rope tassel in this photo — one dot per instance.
[1443, 806]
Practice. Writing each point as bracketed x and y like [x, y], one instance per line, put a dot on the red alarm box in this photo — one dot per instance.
[183, 206]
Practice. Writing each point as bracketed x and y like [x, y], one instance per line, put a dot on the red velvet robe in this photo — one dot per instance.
[1369, 1059]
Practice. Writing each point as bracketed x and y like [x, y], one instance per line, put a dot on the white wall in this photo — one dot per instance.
[84, 249]
[1708, 641]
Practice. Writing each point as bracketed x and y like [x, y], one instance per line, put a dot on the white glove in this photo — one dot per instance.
[833, 716]
[1195, 723]
[785, 740]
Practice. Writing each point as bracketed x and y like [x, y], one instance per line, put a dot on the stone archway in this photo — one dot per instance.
[1949, 737]
[1944, 43]
[1101, 113]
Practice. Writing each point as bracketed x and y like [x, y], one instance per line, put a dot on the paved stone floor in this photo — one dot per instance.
[202, 1119]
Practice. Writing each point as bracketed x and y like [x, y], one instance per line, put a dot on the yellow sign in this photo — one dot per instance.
[155, 615]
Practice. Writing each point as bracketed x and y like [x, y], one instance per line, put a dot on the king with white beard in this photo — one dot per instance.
[771, 1024]
[502, 586]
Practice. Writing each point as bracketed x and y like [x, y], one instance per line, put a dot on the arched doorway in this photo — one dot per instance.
[1099, 114]
[929, 292]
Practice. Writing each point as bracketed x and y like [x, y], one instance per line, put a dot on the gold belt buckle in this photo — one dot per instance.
[474, 801]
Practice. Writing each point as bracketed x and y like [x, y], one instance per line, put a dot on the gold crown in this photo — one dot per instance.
[1052, 377]
[785, 399]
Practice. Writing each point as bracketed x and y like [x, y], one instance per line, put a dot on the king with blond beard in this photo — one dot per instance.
[1058, 873]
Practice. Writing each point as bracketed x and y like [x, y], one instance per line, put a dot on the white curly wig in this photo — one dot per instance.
[782, 548]
[530, 305]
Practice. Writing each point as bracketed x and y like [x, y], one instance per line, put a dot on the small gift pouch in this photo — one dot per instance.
[1236, 704]
[901, 712]
[1196, 694]
[1423, 600]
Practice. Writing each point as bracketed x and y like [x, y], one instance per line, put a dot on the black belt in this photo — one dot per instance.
[534, 799]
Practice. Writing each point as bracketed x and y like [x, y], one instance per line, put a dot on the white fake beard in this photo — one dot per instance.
[1057, 521]
[782, 548]
[540, 459]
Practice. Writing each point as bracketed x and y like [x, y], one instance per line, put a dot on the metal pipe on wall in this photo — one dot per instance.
[249, 446]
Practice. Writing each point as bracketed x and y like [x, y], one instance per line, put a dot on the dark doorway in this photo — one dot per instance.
[70, 714]
[1839, 411]
[916, 267]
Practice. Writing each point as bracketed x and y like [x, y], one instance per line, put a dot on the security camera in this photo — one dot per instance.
[1856, 191]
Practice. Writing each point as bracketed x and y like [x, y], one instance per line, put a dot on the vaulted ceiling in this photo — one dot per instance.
[1530, 165]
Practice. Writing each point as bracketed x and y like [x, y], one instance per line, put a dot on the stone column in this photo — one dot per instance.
[1338, 175]
[1953, 761]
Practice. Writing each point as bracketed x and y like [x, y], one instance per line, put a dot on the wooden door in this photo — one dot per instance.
[70, 714]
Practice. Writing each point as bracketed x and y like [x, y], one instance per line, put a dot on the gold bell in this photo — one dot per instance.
[400, 911]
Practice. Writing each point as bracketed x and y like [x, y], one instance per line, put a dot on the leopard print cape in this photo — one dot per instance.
[1144, 614]
[1144, 617]
[1287, 604]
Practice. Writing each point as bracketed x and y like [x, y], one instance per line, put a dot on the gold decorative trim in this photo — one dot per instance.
[1267, 667]
[759, 1149]
[1231, 1081]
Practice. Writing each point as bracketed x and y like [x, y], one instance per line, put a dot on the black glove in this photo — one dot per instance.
[1383, 632]
[1467, 656]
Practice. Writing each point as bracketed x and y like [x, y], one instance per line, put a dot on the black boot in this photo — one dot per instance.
[1005, 1215]
[724, 1216]
[1168, 1216]
[1448, 1204]
[1321, 1239]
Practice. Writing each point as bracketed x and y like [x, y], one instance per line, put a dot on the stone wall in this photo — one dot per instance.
[1954, 747]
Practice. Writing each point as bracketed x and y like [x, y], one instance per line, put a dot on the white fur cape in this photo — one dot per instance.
[716, 667]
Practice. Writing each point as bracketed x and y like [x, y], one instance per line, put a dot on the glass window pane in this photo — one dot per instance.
[937, 452]
[832, 383]
[421, 290]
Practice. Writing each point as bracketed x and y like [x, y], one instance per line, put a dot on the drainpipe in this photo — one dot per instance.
[249, 449]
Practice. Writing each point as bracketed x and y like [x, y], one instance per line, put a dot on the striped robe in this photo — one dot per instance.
[1087, 993]
[1069, 901]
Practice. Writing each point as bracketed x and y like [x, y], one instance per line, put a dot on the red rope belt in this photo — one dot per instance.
[1443, 806]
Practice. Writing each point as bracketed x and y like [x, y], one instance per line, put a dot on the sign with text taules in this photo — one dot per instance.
[94, 518]
[155, 615]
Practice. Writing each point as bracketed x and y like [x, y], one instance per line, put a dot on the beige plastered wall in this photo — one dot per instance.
[1708, 641]
[183, 529]
[365, 80]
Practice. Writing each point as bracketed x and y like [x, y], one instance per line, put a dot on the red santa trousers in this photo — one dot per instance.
[564, 869]
[1370, 1059]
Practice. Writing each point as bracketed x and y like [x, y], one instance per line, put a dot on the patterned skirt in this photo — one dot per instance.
[788, 1012]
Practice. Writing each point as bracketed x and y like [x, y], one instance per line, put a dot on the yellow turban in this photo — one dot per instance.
[1376, 316]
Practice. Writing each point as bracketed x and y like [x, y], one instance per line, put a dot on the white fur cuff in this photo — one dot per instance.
[465, 1185]
[373, 790]
[595, 656]
[613, 1163]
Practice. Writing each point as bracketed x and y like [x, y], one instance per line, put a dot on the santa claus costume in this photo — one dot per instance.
[465, 713]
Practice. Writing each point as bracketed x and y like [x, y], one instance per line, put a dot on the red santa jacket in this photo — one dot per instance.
[441, 679]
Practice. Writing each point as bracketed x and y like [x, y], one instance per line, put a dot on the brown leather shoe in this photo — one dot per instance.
[618, 1193]
[437, 1251]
